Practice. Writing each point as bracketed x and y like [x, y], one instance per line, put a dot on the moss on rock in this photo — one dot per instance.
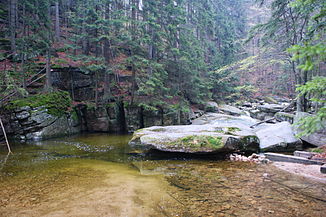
[57, 103]
[199, 142]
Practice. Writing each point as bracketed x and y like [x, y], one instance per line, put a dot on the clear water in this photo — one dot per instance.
[100, 175]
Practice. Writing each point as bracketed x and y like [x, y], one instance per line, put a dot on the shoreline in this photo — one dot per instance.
[307, 171]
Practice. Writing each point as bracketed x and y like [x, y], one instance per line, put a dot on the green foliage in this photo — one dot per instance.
[165, 50]
[222, 84]
[316, 150]
[311, 54]
[311, 124]
[245, 91]
[317, 92]
[315, 89]
[57, 103]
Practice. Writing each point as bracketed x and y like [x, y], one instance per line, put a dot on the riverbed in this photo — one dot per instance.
[100, 175]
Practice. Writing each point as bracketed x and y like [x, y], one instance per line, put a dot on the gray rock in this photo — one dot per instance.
[254, 113]
[304, 154]
[208, 138]
[270, 108]
[15, 124]
[98, 124]
[211, 118]
[247, 104]
[318, 138]
[23, 108]
[278, 137]
[60, 127]
[283, 116]
[291, 159]
[211, 107]
[270, 100]
[230, 110]
[23, 115]
[42, 118]
[26, 122]
[323, 169]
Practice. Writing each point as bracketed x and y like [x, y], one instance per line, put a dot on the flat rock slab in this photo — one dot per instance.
[291, 159]
[278, 137]
[224, 136]
[304, 154]
[231, 110]
[270, 108]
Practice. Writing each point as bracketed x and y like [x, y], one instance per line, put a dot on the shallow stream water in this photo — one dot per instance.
[99, 175]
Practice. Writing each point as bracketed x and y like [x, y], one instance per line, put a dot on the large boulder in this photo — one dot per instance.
[318, 138]
[278, 137]
[218, 133]
[61, 126]
[208, 138]
[28, 123]
[266, 111]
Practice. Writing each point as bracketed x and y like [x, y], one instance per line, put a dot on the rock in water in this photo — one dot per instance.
[207, 138]
[278, 137]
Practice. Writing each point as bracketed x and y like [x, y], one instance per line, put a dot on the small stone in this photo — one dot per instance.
[323, 169]
[23, 115]
[298, 199]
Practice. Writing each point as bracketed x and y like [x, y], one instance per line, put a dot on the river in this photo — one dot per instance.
[100, 175]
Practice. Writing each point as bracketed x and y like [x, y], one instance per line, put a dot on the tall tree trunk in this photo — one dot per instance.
[12, 22]
[96, 89]
[107, 54]
[23, 72]
[48, 85]
[57, 21]
[133, 31]
[24, 50]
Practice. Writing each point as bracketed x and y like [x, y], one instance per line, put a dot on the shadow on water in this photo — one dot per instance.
[160, 155]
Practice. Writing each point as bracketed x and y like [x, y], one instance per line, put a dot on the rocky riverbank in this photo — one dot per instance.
[229, 129]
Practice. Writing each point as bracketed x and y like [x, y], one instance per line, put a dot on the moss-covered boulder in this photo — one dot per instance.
[41, 117]
[207, 138]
